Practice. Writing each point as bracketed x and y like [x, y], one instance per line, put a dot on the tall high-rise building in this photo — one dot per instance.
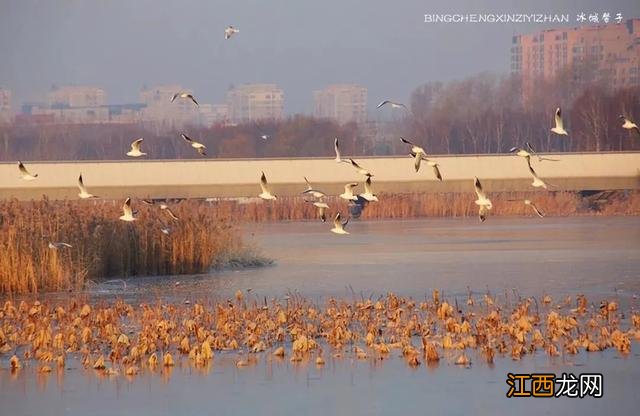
[610, 51]
[252, 102]
[341, 102]
[6, 115]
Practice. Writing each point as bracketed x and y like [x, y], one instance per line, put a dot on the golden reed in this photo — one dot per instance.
[204, 237]
[104, 246]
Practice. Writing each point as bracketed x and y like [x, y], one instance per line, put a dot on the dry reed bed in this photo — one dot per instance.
[560, 203]
[124, 339]
[104, 246]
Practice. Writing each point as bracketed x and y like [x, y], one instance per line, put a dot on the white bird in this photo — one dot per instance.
[164, 229]
[628, 124]
[360, 169]
[483, 202]
[338, 225]
[266, 193]
[24, 173]
[127, 212]
[321, 207]
[59, 245]
[336, 147]
[230, 31]
[264, 136]
[537, 182]
[348, 192]
[169, 212]
[416, 151]
[559, 129]
[135, 149]
[84, 194]
[393, 104]
[202, 149]
[534, 207]
[186, 95]
[530, 151]
[368, 191]
[313, 192]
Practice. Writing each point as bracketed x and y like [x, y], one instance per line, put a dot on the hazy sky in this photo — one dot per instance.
[300, 45]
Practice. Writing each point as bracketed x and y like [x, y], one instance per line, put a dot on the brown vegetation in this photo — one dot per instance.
[104, 246]
[125, 339]
[404, 206]
[203, 237]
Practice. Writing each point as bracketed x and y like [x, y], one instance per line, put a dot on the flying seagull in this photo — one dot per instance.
[59, 245]
[537, 182]
[313, 192]
[135, 149]
[266, 193]
[202, 149]
[348, 192]
[393, 104]
[528, 152]
[321, 207]
[186, 95]
[368, 191]
[483, 202]
[531, 204]
[338, 225]
[559, 129]
[417, 152]
[169, 212]
[127, 213]
[534, 207]
[230, 31]
[84, 194]
[628, 124]
[24, 173]
[360, 169]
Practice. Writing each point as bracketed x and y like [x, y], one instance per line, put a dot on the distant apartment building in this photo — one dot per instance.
[71, 104]
[611, 50]
[251, 102]
[160, 112]
[213, 114]
[343, 103]
[6, 115]
[76, 96]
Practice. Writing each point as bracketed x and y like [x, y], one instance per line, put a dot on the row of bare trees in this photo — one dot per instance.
[295, 136]
[491, 114]
[485, 113]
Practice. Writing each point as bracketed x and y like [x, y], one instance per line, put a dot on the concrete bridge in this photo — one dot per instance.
[205, 178]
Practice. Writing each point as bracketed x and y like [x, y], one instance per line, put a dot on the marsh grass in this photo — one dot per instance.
[404, 206]
[104, 246]
[207, 235]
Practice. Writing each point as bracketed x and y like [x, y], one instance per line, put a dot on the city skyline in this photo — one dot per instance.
[387, 48]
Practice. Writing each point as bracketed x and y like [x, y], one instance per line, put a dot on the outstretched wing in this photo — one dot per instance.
[263, 184]
[558, 118]
[336, 147]
[537, 211]
[136, 144]
[126, 208]
[436, 171]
